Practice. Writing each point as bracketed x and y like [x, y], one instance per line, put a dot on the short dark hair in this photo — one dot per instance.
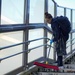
[47, 15]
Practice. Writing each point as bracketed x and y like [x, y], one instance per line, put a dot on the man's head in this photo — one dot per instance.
[48, 17]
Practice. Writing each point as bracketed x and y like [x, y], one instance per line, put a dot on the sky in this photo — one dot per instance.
[66, 3]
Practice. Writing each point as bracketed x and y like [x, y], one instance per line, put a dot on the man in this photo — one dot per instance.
[60, 33]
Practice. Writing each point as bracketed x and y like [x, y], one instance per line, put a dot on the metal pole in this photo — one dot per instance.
[71, 33]
[64, 11]
[25, 32]
[45, 31]
[0, 10]
[55, 14]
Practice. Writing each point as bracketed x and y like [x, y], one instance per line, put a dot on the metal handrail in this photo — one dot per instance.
[21, 52]
[29, 49]
[31, 27]
[70, 40]
[18, 27]
[24, 51]
[23, 43]
[70, 45]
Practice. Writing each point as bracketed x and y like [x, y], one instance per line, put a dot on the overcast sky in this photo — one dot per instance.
[66, 3]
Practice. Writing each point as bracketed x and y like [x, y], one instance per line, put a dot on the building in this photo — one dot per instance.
[24, 34]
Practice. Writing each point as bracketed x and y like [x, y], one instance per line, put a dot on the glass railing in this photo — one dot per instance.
[12, 43]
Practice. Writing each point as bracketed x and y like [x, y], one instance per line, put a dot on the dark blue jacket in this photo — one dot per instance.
[57, 32]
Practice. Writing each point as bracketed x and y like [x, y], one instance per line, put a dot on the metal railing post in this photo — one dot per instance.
[0, 10]
[71, 33]
[55, 14]
[25, 33]
[45, 31]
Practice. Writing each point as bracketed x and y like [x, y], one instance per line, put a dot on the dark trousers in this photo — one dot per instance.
[61, 50]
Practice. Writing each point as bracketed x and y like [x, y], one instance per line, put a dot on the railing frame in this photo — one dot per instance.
[26, 27]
